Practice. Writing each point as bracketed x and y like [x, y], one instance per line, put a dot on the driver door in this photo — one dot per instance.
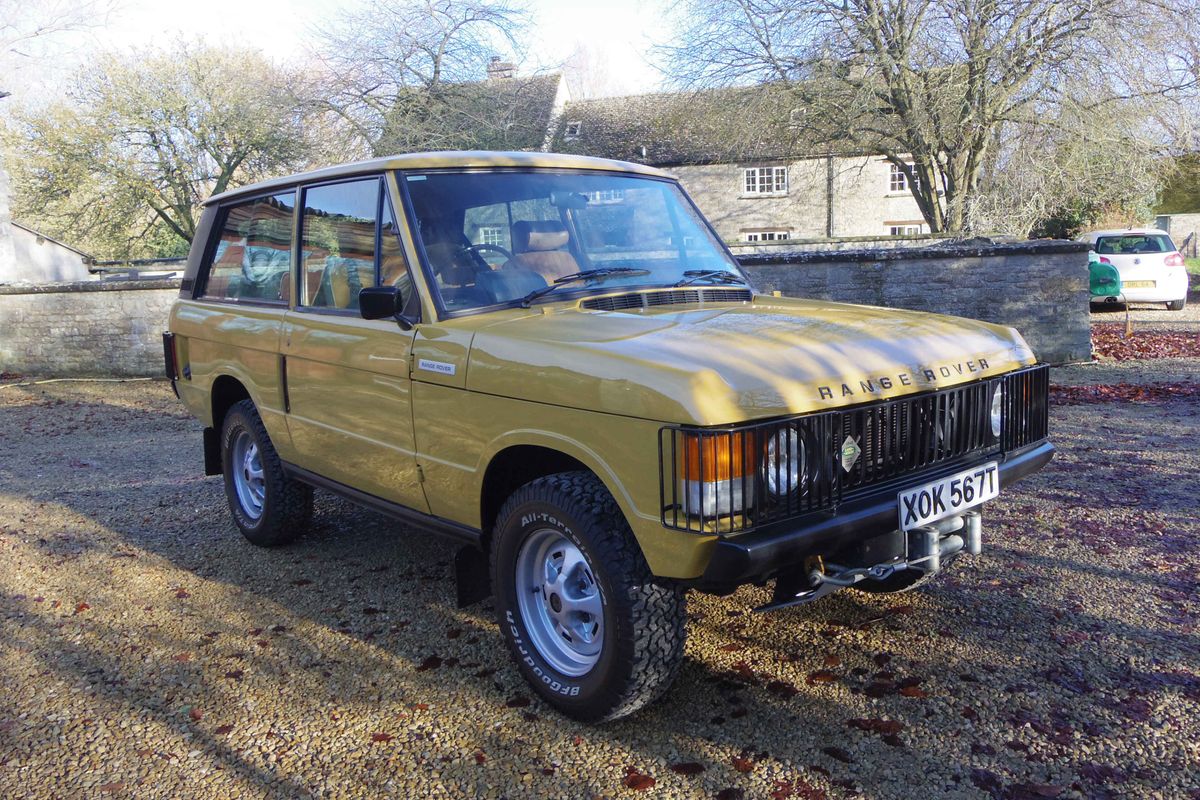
[348, 385]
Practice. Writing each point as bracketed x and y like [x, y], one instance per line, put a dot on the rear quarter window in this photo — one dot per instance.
[252, 257]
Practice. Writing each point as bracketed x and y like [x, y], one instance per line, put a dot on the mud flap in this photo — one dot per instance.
[212, 452]
[471, 577]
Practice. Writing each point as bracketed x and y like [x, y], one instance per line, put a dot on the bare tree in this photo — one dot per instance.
[933, 84]
[1055, 179]
[587, 73]
[390, 66]
[26, 30]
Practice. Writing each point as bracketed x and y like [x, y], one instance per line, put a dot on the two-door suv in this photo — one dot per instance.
[555, 361]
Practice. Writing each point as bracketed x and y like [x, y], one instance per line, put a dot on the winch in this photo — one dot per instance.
[925, 549]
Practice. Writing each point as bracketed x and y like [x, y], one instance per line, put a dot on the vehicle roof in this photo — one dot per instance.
[447, 159]
[1127, 232]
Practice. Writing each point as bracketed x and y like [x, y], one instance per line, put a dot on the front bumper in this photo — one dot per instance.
[766, 552]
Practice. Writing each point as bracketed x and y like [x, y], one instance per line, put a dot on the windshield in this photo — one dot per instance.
[496, 237]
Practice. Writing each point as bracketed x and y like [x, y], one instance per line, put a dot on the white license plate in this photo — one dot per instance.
[949, 496]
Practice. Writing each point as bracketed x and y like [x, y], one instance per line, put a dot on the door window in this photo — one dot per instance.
[338, 244]
[393, 266]
[254, 252]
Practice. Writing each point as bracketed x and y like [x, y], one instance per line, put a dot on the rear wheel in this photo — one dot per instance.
[1177, 305]
[268, 507]
[590, 628]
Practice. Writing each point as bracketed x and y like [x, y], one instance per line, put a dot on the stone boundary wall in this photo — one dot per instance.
[1184, 230]
[113, 328]
[92, 328]
[1040, 288]
[824, 245]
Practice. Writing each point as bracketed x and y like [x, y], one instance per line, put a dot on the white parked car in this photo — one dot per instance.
[1152, 269]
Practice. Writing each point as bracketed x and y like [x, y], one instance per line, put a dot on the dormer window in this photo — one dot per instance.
[572, 131]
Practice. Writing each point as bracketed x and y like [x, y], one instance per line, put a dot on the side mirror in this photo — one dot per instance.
[380, 302]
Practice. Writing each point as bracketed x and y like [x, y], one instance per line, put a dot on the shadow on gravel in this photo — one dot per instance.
[997, 670]
[121, 695]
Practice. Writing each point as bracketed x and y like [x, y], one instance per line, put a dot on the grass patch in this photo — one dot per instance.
[1193, 265]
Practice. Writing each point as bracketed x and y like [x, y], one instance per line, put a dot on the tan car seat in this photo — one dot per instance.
[541, 246]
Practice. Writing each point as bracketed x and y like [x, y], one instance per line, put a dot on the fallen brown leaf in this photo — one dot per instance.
[687, 768]
[637, 781]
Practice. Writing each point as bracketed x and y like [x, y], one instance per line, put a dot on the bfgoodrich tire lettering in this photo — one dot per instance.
[642, 631]
[269, 508]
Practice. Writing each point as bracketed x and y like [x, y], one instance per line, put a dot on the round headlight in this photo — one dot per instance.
[785, 462]
[997, 410]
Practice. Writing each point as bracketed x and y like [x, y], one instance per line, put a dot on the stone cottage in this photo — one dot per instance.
[742, 155]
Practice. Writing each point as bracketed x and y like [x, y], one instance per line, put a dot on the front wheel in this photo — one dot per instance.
[268, 507]
[590, 628]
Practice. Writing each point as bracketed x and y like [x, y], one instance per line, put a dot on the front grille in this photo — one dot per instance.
[673, 297]
[1026, 407]
[719, 480]
[913, 433]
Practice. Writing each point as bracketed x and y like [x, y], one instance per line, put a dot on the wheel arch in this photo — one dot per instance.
[226, 390]
[514, 463]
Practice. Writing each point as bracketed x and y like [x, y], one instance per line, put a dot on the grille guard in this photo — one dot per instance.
[895, 439]
[778, 548]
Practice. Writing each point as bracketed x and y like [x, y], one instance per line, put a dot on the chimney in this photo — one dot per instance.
[499, 70]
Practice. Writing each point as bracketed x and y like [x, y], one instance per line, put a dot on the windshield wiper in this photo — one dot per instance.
[719, 275]
[576, 277]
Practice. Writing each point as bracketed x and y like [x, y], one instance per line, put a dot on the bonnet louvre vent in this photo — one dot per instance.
[639, 300]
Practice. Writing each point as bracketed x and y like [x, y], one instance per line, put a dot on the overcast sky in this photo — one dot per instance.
[619, 32]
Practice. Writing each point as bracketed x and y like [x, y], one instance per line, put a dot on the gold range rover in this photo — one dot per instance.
[555, 362]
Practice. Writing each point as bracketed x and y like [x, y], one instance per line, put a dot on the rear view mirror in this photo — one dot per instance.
[572, 200]
[380, 302]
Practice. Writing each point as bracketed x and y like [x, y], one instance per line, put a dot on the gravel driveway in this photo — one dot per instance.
[146, 650]
[1155, 316]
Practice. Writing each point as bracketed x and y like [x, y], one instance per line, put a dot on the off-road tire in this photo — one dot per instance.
[287, 503]
[1177, 305]
[643, 631]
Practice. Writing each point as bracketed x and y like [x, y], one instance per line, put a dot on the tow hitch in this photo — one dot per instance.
[925, 549]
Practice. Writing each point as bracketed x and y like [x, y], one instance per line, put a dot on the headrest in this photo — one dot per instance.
[540, 235]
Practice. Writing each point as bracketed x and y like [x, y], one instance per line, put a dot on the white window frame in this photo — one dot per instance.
[491, 234]
[765, 181]
[606, 196]
[906, 229]
[767, 236]
[898, 181]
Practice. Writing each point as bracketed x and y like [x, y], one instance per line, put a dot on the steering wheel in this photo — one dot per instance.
[483, 248]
